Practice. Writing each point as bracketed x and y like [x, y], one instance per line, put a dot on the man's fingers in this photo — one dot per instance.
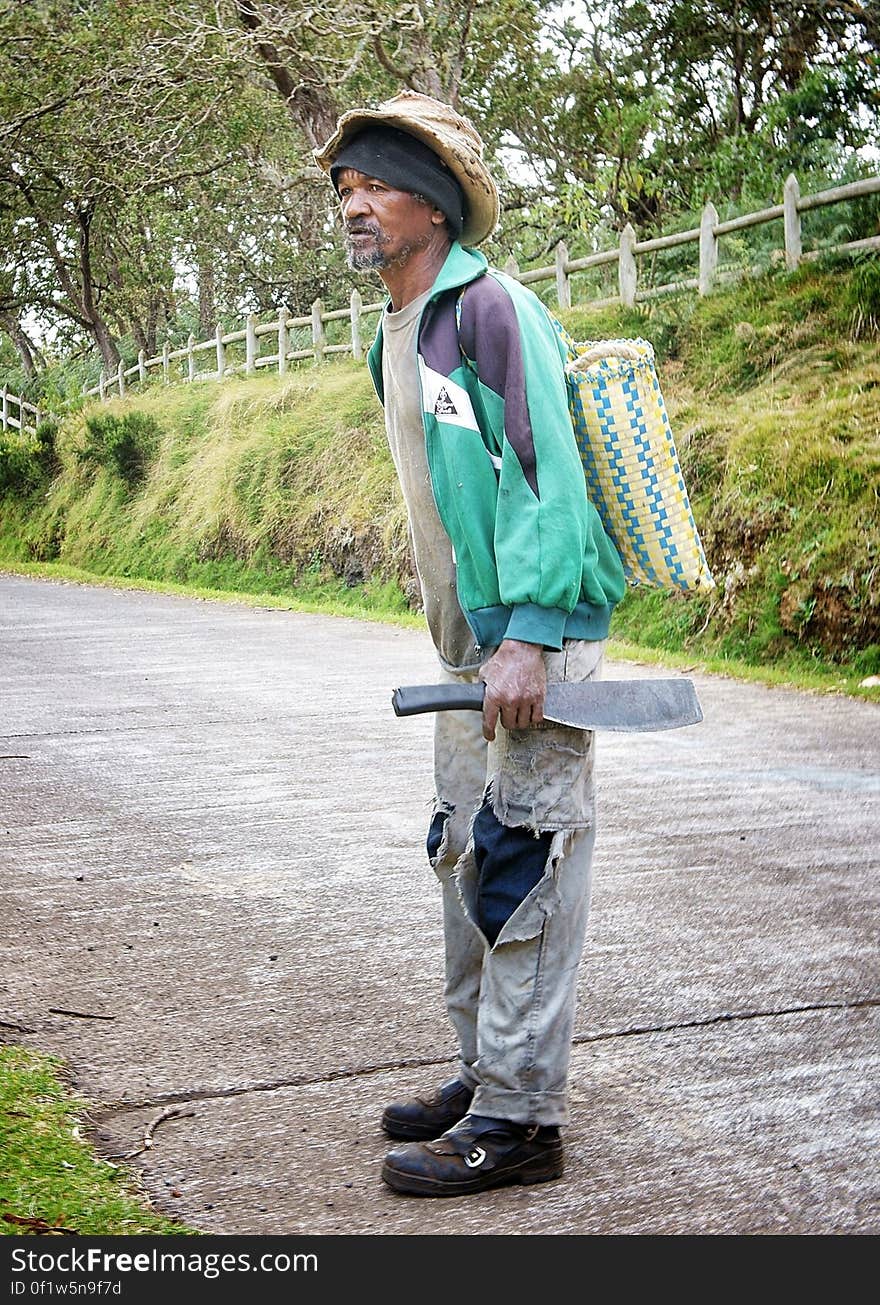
[519, 714]
[490, 716]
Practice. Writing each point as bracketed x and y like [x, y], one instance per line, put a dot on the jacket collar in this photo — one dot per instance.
[462, 266]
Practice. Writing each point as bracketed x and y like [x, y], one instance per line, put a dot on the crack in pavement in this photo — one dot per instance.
[101, 1113]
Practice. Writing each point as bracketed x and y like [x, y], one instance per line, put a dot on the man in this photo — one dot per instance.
[519, 581]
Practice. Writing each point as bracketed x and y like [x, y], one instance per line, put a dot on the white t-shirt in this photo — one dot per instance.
[432, 550]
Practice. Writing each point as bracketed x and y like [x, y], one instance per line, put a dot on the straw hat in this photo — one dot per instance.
[453, 137]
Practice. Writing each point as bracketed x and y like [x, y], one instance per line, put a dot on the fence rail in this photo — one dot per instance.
[21, 422]
[707, 235]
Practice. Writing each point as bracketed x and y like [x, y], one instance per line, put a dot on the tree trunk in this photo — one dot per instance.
[152, 325]
[105, 343]
[95, 322]
[207, 305]
[309, 100]
[140, 335]
[27, 351]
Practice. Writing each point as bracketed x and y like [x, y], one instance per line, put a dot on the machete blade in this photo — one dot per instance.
[624, 705]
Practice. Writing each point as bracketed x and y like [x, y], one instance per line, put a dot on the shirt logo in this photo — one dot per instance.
[444, 407]
[446, 401]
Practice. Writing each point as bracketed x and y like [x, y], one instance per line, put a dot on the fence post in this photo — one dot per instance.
[142, 365]
[626, 267]
[120, 380]
[318, 330]
[221, 352]
[563, 285]
[250, 358]
[357, 349]
[283, 340]
[5, 393]
[101, 385]
[511, 267]
[38, 417]
[708, 248]
[791, 219]
[166, 363]
[190, 358]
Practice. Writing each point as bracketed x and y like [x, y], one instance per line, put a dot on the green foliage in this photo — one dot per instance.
[19, 467]
[49, 1176]
[122, 444]
[861, 302]
[28, 461]
[867, 662]
[134, 131]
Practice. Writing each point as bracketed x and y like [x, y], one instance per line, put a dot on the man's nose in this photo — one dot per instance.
[355, 204]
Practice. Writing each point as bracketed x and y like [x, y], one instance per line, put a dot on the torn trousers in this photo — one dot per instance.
[514, 924]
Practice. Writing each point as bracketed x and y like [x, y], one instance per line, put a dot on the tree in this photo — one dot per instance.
[156, 163]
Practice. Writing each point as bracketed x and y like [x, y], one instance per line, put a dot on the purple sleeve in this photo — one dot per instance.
[490, 336]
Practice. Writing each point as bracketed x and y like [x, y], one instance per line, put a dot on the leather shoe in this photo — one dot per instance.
[427, 1117]
[475, 1154]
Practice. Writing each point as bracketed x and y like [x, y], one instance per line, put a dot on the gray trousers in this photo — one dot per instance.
[512, 1004]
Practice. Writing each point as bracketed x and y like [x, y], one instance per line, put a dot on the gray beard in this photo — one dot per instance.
[366, 260]
[370, 260]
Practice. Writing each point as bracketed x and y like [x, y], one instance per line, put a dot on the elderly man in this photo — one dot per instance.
[519, 581]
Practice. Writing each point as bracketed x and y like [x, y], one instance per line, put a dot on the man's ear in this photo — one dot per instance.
[438, 217]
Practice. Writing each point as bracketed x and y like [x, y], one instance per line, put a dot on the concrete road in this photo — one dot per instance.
[214, 895]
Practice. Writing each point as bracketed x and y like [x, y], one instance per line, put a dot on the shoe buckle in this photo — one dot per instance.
[475, 1157]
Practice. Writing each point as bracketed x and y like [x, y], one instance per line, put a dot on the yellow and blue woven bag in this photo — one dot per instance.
[633, 474]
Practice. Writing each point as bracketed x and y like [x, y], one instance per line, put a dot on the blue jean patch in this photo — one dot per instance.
[510, 861]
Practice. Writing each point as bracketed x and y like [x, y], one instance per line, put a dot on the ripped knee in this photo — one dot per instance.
[438, 833]
[510, 862]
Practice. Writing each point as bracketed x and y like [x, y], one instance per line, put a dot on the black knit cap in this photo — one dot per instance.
[406, 163]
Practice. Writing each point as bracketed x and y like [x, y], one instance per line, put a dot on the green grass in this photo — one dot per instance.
[369, 603]
[49, 1174]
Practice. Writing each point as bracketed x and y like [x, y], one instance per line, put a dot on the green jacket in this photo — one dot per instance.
[533, 561]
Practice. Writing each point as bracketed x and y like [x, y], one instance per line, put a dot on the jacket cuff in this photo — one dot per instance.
[530, 623]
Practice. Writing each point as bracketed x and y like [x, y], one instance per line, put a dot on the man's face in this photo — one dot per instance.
[383, 226]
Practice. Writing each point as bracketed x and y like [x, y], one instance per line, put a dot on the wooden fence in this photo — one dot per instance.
[29, 414]
[707, 236]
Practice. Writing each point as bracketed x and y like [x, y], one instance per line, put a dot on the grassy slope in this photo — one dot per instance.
[776, 412]
[285, 486]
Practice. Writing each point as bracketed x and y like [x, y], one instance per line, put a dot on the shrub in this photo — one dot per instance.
[27, 461]
[122, 444]
[17, 464]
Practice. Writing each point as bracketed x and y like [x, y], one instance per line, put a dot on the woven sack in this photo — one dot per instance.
[633, 474]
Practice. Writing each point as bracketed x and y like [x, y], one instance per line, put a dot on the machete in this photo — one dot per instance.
[626, 705]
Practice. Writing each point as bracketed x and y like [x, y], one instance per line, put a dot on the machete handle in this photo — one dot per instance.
[414, 698]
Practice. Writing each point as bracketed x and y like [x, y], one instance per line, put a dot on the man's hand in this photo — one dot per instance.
[516, 682]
